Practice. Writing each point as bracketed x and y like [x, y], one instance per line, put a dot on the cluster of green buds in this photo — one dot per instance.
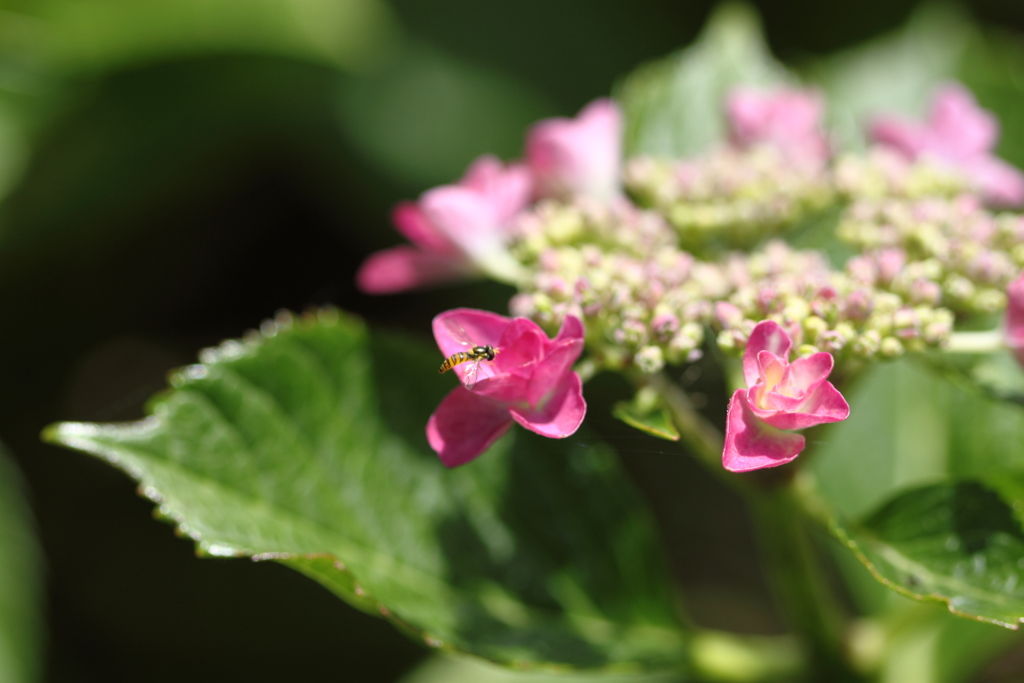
[821, 308]
[730, 197]
[935, 251]
[644, 302]
[881, 173]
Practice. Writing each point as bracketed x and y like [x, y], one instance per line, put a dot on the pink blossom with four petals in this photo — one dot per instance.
[780, 396]
[960, 134]
[788, 119]
[1015, 318]
[457, 231]
[580, 156]
[530, 381]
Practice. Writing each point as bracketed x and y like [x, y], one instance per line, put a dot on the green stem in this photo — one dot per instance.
[975, 342]
[721, 656]
[701, 437]
[800, 586]
[778, 507]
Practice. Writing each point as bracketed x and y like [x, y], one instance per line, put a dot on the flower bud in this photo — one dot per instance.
[649, 359]
[891, 347]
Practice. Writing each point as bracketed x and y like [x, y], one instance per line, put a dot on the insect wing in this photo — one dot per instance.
[458, 333]
[471, 374]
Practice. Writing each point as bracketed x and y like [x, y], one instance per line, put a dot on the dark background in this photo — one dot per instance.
[168, 206]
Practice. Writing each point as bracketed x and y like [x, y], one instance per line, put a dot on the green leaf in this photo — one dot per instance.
[896, 73]
[909, 426]
[996, 375]
[463, 670]
[673, 107]
[19, 582]
[306, 445]
[647, 413]
[991, 68]
[958, 543]
[98, 35]
[1000, 374]
[926, 644]
[424, 118]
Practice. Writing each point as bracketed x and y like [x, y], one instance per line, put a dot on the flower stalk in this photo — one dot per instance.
[800, 587]
[988, 341]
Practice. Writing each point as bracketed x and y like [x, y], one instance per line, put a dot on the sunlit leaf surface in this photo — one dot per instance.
[305, 445]
[463, 670]
[96, 35]
[909, 428]
[896, 73]
[955, 542]
[674, 106]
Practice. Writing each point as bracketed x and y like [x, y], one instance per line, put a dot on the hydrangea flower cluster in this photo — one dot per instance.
[958, 135]
[935, 251]
[882, 173]
[731, 196]
[647, 261]
[822, 309]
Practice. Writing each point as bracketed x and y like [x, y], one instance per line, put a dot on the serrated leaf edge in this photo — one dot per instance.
[839, 532]
[76, 436]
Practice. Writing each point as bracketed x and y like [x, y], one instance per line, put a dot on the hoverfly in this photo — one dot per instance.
[474, 353]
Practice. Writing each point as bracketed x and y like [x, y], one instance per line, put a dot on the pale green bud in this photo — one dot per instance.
[891, 347]
[988, 300]
[867, 344]
[649, 359]
[805, 350]
[813, 326]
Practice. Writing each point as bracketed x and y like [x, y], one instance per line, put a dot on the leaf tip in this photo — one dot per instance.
[657, 424]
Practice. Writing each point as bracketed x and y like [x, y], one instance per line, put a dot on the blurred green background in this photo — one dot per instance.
[174, 171]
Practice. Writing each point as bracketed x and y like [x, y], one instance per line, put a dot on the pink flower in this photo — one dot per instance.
[1015, 318]
[960, 134]
[457, 231]
[530, 381]
[781, 396]
[580, 156]
[788, 119]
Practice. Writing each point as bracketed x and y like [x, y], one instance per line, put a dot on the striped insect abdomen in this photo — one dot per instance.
[455, 359]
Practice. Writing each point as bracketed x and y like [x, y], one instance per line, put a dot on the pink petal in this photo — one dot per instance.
[465, 425]
[1015, 318]
[410, 220]
[559, 355]
[786, 118]
[508, 188]
[822, 404]
[1000, 183]
[405, 267]
[959, 126]
[561, 415]
[551, 371]
[572, 328]
[806, 372]
[770, 368]
[520, 348]
[522, 342]
[766, 336]
[751, 444]
[909, 139]
[962, 135]
[465, 217]
[480, 328]
[534, 364]
[578, 156]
